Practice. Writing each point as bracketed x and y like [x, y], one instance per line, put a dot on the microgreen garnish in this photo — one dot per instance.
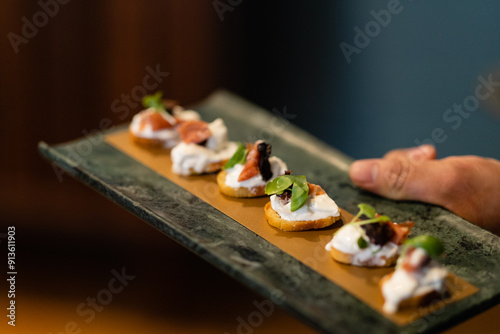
[298, 185]
[154, 101]
[433, 246]
[368, 211]
[379, 219]
[365, 209]
[239, 157]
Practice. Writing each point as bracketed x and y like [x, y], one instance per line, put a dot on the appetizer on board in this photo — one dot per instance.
[249, 169]
[418, 280]
[156, 126]
[204, 148]
[373, 241]
[297, 205]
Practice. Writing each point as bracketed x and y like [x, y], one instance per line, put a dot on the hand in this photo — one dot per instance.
[466, 185]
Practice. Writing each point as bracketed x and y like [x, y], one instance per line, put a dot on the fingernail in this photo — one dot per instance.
[364, 171]
[427, 149]
[421, 152]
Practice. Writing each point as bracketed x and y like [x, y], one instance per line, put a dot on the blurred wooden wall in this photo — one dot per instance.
[63, 82]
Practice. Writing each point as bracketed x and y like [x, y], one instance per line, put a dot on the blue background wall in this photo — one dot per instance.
[396, 91]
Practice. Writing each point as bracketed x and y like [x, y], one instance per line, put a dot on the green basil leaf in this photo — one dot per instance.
[362, 243]
[299, 196]
[154, 101]
[300, 189]
[239, 157]
[433, 246]
[300, 180]
[278, 185]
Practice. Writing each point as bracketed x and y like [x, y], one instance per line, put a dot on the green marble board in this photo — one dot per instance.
[473, 253]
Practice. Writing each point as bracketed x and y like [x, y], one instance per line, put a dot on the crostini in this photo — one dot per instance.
[156, 126]
[204, 148]
[297, 205]
[373, 241]
[418, 280]
[249, 169]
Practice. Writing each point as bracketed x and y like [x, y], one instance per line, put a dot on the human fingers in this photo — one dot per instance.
[401, 178]
[415, 154]
[473, 190]
[468, 186]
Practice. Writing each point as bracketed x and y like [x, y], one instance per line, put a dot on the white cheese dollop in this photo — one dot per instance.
[316, 207]
[346, 241]
[192, 158]
[219, 135]
[185, 114]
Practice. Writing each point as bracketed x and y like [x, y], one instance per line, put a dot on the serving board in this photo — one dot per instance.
[291, 281]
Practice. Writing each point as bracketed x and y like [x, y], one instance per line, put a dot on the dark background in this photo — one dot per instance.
[63, 81]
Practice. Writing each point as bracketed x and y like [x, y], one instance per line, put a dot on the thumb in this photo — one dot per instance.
[400, 178]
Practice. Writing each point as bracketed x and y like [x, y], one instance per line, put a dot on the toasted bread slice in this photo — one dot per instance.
[240, 191]
[415, 301]
[274, 219]
[148, 142]
[212, 167]
[348, 258]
